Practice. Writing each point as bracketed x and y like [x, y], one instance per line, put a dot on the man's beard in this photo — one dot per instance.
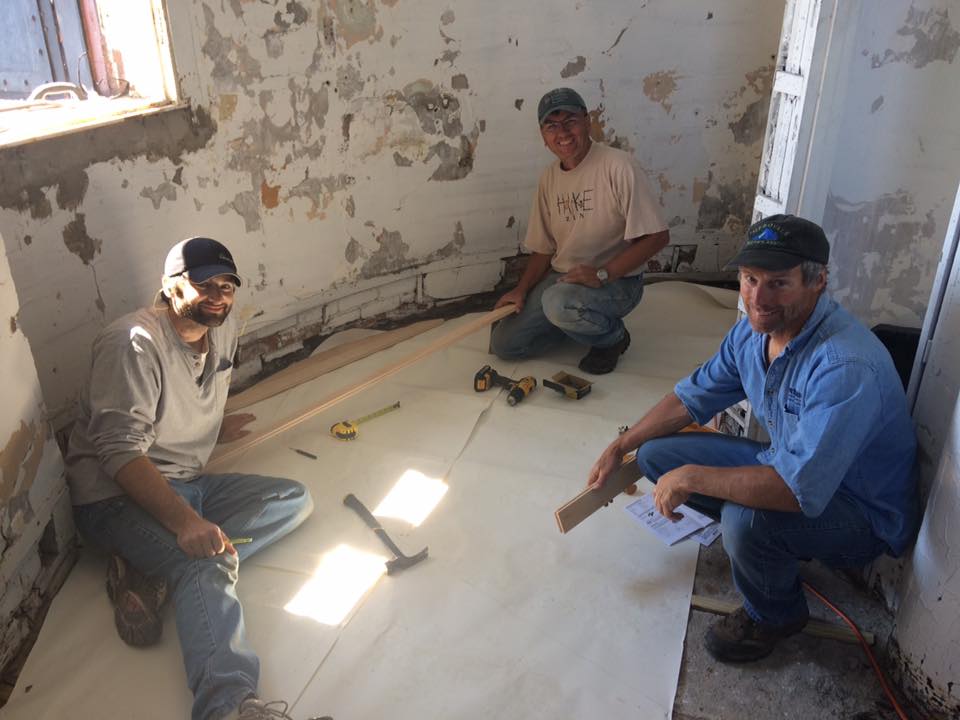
[200, 316]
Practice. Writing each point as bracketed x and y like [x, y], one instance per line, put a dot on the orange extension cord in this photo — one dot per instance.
[888, 691]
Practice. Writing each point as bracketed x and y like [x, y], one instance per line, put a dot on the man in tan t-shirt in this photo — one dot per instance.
[593, 225]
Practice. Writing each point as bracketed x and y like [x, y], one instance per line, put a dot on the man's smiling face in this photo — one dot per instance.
[566, 135]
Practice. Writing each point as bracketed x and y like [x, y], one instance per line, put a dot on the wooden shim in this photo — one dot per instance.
[589, 501]
[224, 453]
[816, 628]
[324, 362]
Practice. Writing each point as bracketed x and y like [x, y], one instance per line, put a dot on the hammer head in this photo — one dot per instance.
[402, 562]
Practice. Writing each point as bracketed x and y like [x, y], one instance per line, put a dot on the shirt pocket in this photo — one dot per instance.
[791, 419]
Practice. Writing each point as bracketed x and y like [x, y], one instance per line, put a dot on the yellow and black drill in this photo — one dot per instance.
[517, 390]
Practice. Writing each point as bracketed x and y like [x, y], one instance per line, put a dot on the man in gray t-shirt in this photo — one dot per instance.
[593, 224]
[148, 421]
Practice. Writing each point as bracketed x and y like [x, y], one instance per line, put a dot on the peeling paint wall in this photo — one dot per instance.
[928, 618]
[895, 169]
[341, 145]
[36, 528]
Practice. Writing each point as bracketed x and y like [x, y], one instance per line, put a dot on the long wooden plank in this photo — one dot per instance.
[228, 452]
[816, 628]
[589, 501]
[324, 362]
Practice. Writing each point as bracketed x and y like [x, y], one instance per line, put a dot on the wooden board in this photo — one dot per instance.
[324, 362]
[589, 501]
[224, 453]
[816, 628]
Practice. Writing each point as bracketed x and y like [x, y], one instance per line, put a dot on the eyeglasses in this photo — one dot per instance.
[223, 287]
[569, 124]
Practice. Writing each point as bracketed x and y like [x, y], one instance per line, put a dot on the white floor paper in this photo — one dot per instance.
[507, 618]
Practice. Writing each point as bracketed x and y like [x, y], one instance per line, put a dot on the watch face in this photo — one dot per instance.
[602, 275]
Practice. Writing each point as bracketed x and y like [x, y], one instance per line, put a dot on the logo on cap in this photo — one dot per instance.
[768, 235]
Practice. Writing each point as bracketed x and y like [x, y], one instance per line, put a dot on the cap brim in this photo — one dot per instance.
[563, 108]
[764, 259]
[205, 272]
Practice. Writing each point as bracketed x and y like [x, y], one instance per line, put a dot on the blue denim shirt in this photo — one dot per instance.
[835, 410]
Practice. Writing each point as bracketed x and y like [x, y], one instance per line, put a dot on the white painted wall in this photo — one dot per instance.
[325, 181]
[928, 618]
[888, 150]
[32, 489]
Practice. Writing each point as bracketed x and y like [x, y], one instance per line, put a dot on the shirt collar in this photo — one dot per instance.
[824, 307]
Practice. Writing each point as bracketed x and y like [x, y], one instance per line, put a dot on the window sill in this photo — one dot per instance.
[25, 124]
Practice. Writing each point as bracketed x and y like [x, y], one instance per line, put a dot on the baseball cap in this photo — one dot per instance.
[560, 99]
[201, 258]
[781, 242]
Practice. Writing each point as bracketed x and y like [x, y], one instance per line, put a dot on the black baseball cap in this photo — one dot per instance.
[560, 99]
[201, 259]
[781, 242]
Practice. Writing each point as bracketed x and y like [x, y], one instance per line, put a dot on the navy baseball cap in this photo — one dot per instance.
[781, 242]
[560, 99]
[201, 259]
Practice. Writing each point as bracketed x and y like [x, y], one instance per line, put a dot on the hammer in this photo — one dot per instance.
[400, 561]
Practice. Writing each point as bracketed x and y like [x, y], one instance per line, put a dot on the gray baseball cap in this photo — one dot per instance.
[560, 99]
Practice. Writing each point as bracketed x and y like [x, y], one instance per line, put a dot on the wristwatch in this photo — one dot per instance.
[603, 275]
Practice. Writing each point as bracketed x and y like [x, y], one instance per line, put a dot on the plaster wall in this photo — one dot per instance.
[341, 145]
[36, 528]
[893, 168]
[928, 617]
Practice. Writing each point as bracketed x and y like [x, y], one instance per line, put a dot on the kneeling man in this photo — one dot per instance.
[593, 225]
[836, 481]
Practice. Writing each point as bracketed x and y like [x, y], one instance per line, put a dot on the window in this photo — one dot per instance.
[69, 64]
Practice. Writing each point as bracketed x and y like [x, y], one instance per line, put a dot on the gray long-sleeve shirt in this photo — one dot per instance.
[149, 394]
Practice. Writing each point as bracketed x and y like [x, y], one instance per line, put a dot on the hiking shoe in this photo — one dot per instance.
[600, 361]
[739, 638]
[253, 708]
[136, 600]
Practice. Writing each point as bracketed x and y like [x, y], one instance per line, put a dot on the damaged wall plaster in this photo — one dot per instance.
[893, 177]
[334, 142]
[32, 488]
[885, 185]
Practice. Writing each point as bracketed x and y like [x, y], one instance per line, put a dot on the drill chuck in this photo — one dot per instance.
[520, 389]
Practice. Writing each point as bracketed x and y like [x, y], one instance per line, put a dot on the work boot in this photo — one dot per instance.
[600, 361]
[739, 638]
[253, 708]
[136, 600]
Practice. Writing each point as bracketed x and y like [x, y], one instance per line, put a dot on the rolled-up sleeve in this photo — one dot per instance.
[715, 385]
[124, 393]
[840, 412]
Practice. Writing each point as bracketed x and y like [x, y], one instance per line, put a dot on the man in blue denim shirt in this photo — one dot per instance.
[836, 480]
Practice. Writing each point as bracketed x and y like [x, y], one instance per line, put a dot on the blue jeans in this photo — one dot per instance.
[766, 546]
[554, 311]
[221, 668]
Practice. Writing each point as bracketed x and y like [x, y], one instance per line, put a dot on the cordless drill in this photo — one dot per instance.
[517, 390]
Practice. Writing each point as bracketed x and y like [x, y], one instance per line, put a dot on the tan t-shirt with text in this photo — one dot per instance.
[585, 216]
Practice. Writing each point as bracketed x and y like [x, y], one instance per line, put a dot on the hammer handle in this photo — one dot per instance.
[353, 502]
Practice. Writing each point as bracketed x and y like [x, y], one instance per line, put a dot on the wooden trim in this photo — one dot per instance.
[815, 628]
[224, 453]
[589, 501]
[324, 362]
